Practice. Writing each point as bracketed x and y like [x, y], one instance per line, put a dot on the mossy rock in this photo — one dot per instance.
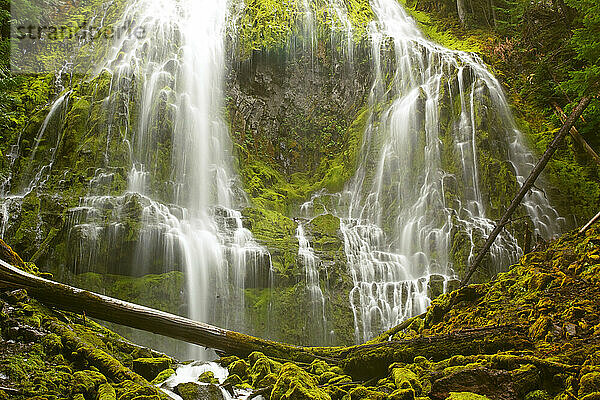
[264, 370]
[208, 377]
[149, 368]
[106, 392]
[362, 393]
[589, 383]
[537, 395]
[163, 376]
[87, 381]
[402, 394]
[52, 344]
[233, 380]
[194, 391]
[404, 378]
[239, 368]
[294, 383]
[318, 367]
[466, 396]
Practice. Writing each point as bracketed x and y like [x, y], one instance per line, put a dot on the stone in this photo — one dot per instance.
[589, 383]
[293, 383]
[404, 378]
[149, 368]
[194, 391]
[402, 394]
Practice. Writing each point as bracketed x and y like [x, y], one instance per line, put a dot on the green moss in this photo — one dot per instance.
[163, 376]
[402, 394]
[268, 24]
[87, 381]
[466, 396]
[149, 368]
[589, 383]
[325, 224]
[362, 393]
[239, 368]
[160, 291]
[52, 344]
[106, 392]
[406, 379]
[293, 383]
[270, 189]
[208, 377]
[277, 233]
[537, 395]
[443, 37]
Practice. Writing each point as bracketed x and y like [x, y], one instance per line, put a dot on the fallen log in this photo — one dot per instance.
[374, 359]
[591, 222]
[136, 316]
[360, 360]
[537, 170]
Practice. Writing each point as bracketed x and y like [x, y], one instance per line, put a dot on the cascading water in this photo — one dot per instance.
[188, 220]
[307, 257]
[403, 208]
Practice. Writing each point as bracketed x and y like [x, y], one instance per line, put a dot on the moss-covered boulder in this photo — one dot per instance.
[406, 379]
[87, 382]
[589, 383]
[293, 383]
[194, 391]
[149, 368]
[363, 393]
[466, 396]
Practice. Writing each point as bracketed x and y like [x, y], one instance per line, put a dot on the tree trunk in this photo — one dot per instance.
[590, 223]
[460, 7]
[359, 361]
[537, 170]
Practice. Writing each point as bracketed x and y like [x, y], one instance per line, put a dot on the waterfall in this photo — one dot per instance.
[188, 218]
[166, 195]
[307, 257]
[407, 205]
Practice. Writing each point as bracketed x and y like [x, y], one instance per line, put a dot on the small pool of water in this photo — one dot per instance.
[191, 372]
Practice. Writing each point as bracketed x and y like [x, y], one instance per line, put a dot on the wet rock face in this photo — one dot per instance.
[294, 118]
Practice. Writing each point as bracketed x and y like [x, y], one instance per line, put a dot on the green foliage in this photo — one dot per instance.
[436, 33]
[585, 42]
[269, 24]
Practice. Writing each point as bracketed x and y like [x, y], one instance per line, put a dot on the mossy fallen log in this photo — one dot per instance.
[374, 359]
[360, 360]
